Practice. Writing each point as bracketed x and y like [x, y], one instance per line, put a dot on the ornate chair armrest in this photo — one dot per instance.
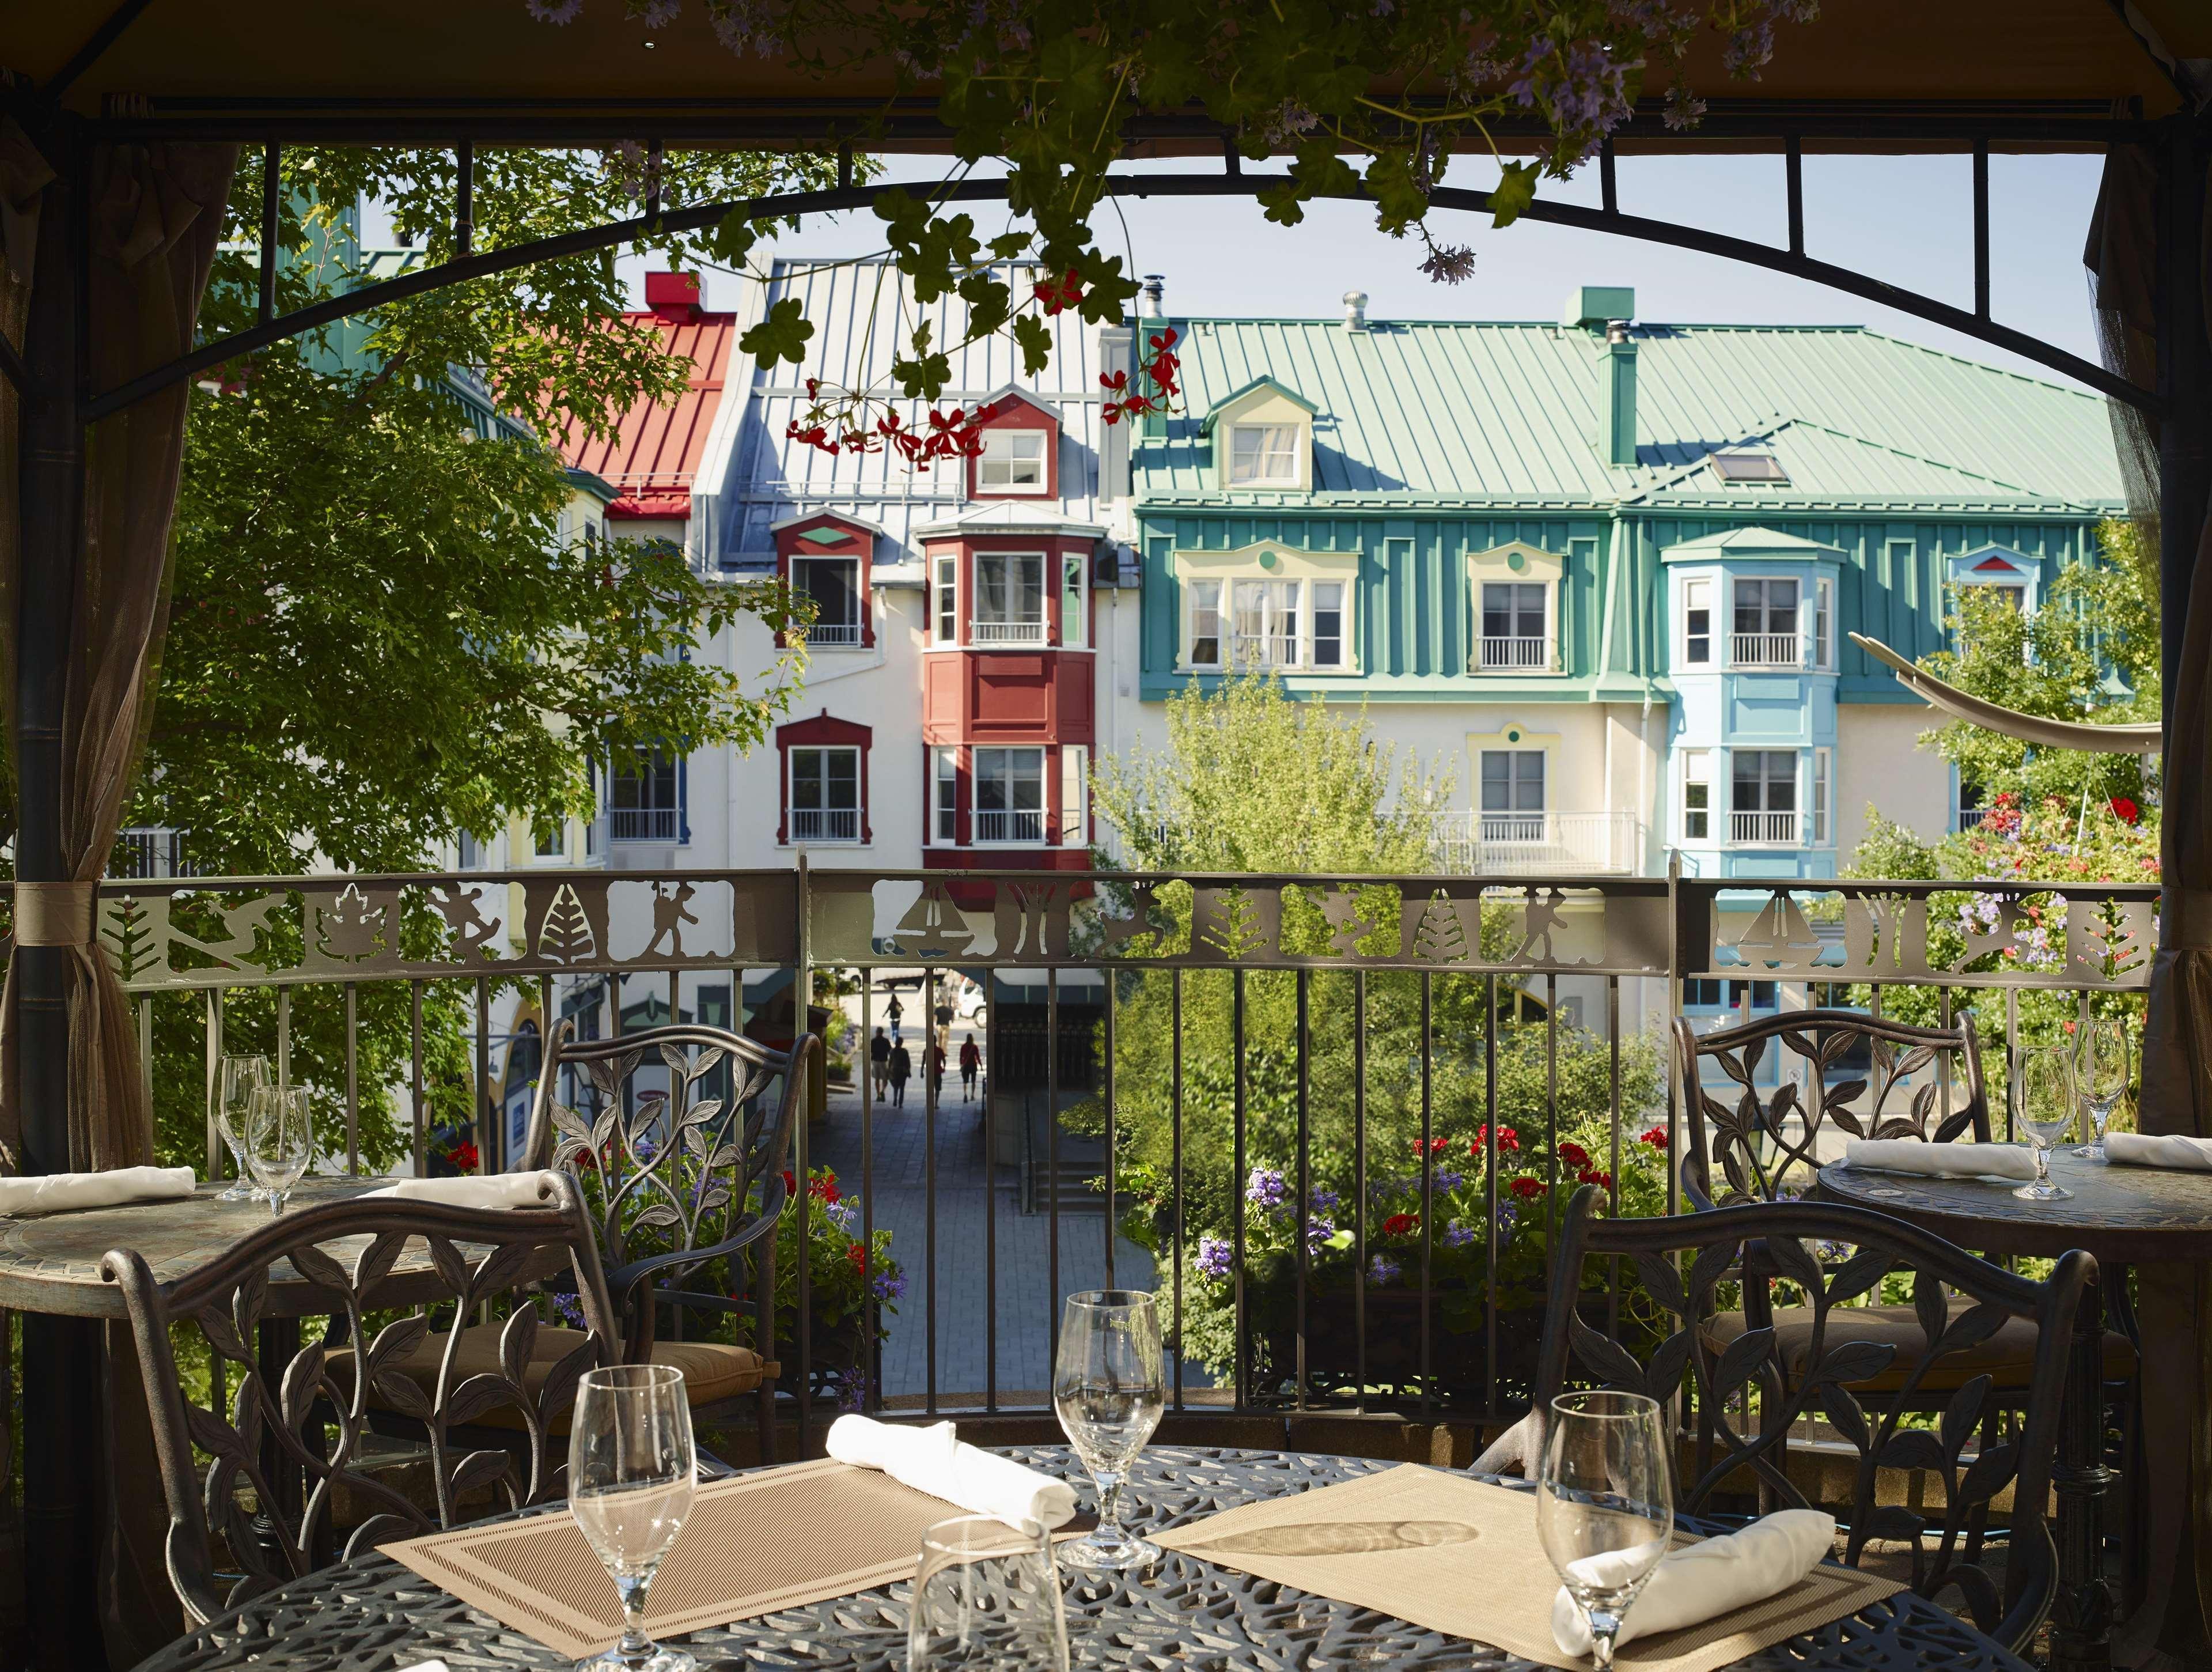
[623, 1281]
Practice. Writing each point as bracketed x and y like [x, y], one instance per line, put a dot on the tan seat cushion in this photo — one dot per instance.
[713, 1370]
[2006, 1357]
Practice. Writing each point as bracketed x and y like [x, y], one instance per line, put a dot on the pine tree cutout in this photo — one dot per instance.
[564, 936]
[1440, 937]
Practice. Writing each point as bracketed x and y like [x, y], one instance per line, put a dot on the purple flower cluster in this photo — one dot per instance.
[1382, 1271]
[889, 1285]
[1215, 1257]
[844, 1214]
[1458, 1235]
[1267, 1188]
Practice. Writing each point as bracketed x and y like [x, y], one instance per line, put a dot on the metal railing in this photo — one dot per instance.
[825, 824]
[643, 823]
[1512, 844]
[1524, 653]
[1331, 1114]
[1767, 830]
[1766, 649]
[1009, 824]
[834, 632]
[1006, 632]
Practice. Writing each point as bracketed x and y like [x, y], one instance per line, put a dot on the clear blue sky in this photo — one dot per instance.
[1905, 220]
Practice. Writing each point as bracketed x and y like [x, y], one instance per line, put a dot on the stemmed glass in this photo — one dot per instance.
[242, 1076]
[1605, 1504]
[2046, 1110]
[1109, 1386]
[280, 1139]
[987, 1596]
[2101, 1066]
[632, 1472]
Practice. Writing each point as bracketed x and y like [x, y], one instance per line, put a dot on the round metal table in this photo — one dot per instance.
[373, 1615]
[2123, 1216]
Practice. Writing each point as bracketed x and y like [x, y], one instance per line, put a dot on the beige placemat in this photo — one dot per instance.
[1461, 1556]
[780, 1538]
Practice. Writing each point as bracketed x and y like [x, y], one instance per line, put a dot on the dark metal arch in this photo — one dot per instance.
[1230, 183]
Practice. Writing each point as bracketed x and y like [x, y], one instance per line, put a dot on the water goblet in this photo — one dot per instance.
[280, 1139]
[242, 1076]
[987, 1596]
[2047, 1098]
[633, 1472]
[1605, 1504]
[2100, 1066]
[1109, 1387]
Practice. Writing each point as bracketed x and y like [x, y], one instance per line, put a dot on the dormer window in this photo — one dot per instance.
[1742, 468]
[1263, 456]
[834, 584]
[1013, 462]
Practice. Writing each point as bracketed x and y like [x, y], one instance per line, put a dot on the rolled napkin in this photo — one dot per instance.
[935, 1460]
[55, 1192]
[499, 1190]
[1703, 1581]
[1911, 1155]
[2140, 1149]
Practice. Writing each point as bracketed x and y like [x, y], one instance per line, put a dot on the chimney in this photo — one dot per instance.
[1156, 296]
[673, 296]
[1355, 310]
[1617, 410]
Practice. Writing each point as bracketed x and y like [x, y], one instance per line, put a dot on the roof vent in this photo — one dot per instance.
[1156, 296]
[1759, 469]
[673, 296]
[1355, 310]
[1594, 307]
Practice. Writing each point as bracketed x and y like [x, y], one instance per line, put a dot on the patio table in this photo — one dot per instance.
[374, 1616]
[2123, 1216]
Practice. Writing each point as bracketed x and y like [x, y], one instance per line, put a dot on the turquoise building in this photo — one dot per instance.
[1603, 569]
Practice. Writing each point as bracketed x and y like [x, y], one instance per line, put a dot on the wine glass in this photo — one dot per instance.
[280, 1139]
[242, 1076]
[2100, 1065]
[985, 1595]
[1605, 1504]
[632, 1472]
[1109, 1387]
[2046, 1110]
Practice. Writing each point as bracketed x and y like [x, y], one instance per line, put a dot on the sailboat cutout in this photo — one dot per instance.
[934, 928]
[1778, 933]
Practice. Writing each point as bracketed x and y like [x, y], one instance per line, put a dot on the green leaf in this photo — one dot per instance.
[924, 377]
[1008, 245]
[1035, 337]
[732, 240]
[1515, 191]
[782, 335]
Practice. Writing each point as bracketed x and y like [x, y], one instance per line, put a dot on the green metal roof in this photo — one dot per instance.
[1451, 414]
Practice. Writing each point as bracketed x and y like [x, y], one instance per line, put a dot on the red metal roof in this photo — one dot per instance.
[655, 450]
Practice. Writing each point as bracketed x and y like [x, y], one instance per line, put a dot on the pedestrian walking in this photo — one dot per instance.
[971, 1062]
[879, 1062]
[901, 1066]
[937, 1072]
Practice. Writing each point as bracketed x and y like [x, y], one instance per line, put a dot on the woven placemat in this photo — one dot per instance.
[1462, 1557]
[755, 1543]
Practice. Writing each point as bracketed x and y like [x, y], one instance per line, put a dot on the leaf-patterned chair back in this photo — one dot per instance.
[280, 1451]
[1753, 1389]
[1835, 1073]
[676, 1149]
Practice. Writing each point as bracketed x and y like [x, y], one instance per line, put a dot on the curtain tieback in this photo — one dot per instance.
[57, 914]
[2185, 922]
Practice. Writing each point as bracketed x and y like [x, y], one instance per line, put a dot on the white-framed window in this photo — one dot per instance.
[1201, 602]
[554, 843]
[1512, 794]
[1072, 615]
[1766, 628]
[1821, 797]
[834, 584]
[1328, 624]
[1763, 800]
[826, 793]
[1263, 455]
[1698, 622]
[944, 794]
[1009, 794]
[1012, 461]
[647, 804]
[1515, 625]
[1075, 800]
[1009, 597]
[1264, 623]
[1697, 795]
[469, 853]
[947, 615]
[1824, 622]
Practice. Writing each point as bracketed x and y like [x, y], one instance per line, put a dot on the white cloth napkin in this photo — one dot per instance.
[425, 1666]
[499, 1190]
[2140, 1149]
[55, 1191]
[1703, 1581]
[935, 1460]
[1911, 1155]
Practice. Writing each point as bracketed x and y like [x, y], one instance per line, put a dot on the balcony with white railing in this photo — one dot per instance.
[1511, 655]
[825, 824]
[1766, 649]
[1009, 824]
[1005, 632]
[1510, 844]
[643, 823]
[1764, 829]
[833, 633]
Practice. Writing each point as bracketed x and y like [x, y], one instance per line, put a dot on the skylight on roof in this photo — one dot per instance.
[1763, 469]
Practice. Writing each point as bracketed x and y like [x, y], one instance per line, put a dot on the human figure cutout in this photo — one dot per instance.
[1544, 914]
[671, 911]
[470, 928]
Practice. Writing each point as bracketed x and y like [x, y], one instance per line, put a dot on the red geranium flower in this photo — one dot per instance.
[1509, 1140]
[826, 1189]
[1573, 1153]
[790, 1183]
[1436, 1146]
[1656, 1138]
[2125, 810]
[1595, 1175]
[858, 1254]
[1526, 1186]
[463, 1155]
[1401, 1224]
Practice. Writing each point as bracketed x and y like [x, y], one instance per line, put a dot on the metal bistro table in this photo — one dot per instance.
[373, 1615]
[2123, 1216]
